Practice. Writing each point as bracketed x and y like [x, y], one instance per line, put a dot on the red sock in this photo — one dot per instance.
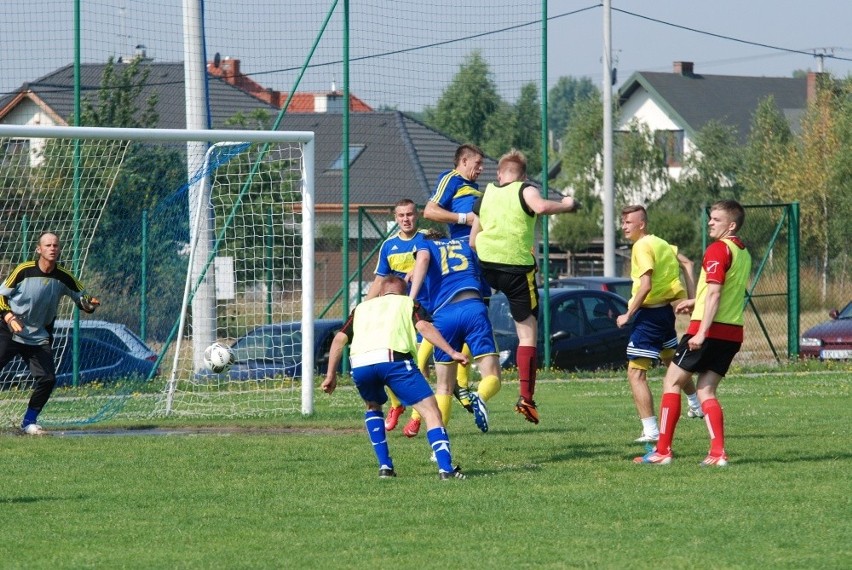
[669, 415]
[715, 420]
[526, 359]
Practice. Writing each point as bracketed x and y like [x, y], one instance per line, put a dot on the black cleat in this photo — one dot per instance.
[385, 473]
[454, 474]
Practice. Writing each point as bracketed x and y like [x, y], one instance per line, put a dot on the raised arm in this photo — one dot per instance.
[545, 207]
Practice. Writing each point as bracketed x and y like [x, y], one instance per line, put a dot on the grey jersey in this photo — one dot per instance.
[34, 296]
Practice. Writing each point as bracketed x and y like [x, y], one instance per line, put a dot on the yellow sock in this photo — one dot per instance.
[424, 353]
[445, 404]
[488, 387]
[463, 374]
[394, 401]
[415, 415]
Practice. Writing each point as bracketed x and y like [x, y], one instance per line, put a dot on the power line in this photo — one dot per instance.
[729, 38]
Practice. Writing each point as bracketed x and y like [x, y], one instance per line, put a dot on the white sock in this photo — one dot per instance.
[649, 426]
[693, 401]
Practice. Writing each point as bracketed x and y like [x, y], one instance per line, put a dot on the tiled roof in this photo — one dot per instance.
[166, 81]
[401, 157]
[697, 99]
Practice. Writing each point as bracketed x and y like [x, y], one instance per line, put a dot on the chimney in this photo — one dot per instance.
[815, 80]
[683, 68]
[230, 69]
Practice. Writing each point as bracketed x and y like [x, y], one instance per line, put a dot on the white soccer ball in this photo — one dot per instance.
[218, 358]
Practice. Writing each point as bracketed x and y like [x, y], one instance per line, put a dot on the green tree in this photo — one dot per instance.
[768, 145]
[561, 99]
[118, 101]
[527, 132]
[465, 106]
[816, 174]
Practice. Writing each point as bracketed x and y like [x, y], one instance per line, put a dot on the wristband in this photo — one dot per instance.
[463, 219]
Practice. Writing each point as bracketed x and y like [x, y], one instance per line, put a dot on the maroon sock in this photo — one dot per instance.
[526, 359]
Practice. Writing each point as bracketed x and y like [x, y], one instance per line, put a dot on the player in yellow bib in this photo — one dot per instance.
[655, 267]
[714, 335]
[503, 236]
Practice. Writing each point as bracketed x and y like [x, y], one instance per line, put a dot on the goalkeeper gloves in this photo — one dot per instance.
[89, 303]
[15, 324]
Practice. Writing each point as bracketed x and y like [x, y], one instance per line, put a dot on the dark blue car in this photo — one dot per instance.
[275, 350]
[584, 335]
[99, 362]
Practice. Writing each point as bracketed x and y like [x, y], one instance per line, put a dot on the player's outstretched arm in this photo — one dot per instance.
[544, 207]
[433, 335]
[334, 356]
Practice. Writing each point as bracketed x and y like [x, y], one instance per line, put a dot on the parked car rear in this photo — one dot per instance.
[99, 362]
[116, 334]
[275, 350]
[621, 286]
[584, 334]
[829, 340]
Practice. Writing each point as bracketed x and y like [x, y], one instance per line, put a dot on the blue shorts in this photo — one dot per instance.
[652, 331]
[402, 377]
[465, 322]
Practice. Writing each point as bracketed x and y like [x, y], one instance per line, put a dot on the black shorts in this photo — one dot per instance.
[714, 355]
[520, 289]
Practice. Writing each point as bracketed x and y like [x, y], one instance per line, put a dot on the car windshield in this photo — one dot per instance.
[499, 315]
[846, 313]
[276, 344]
[622, 289]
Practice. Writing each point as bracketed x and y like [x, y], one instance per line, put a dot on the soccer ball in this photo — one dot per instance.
[218, 358]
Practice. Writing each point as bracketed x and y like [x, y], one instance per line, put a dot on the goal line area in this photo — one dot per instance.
[188, 238]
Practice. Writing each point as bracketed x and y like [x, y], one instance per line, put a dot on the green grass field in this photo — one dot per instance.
[303, 492]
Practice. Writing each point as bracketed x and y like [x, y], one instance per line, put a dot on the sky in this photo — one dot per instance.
[722, 37]
[719, 36]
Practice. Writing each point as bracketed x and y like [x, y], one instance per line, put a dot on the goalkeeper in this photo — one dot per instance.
[29, 300]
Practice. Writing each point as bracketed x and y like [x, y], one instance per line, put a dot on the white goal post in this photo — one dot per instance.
[238, 194]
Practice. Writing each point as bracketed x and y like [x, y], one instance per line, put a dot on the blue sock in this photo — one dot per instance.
[375, 424]
[440, 442]
[30, 417]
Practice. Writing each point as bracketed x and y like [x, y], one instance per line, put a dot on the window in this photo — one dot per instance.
[14, 152]
[355, 151]
[671, 143]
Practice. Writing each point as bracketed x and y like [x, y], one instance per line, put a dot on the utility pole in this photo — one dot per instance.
[608, 190]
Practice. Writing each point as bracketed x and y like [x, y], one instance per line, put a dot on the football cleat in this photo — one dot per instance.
[412, 428]
[454, 474]
[480, 412]
[645, 438]
[528, 409]
[463, 396]
[393, 417]
[32, 429]
[386, 472]
[695, 412]
[715, 461]
[654, 458]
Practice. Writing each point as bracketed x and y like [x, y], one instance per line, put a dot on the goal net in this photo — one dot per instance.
[188, 238]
